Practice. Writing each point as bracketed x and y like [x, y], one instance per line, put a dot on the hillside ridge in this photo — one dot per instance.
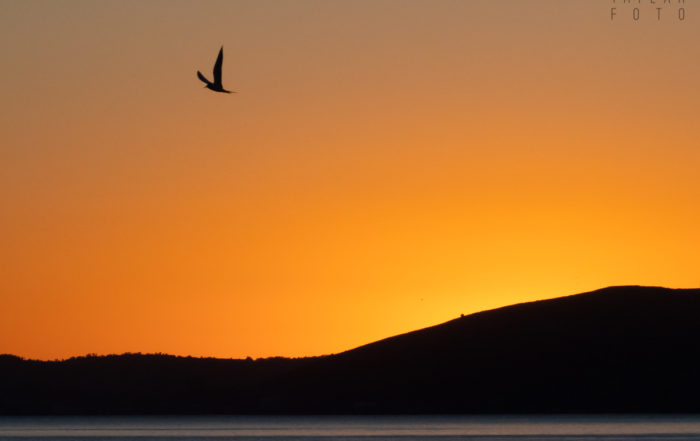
[617, 349]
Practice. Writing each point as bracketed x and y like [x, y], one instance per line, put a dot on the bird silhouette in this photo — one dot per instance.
[216, 85]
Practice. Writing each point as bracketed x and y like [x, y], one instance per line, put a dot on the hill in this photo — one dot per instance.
[618, 349]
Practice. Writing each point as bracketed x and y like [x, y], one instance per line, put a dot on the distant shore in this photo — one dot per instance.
[616, 350]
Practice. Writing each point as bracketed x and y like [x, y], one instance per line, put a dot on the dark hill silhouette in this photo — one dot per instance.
[619, 349]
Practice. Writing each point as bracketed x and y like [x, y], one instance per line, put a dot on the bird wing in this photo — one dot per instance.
[201, 77]
[217, 66]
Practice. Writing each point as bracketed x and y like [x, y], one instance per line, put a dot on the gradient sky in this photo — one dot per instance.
[384, 166]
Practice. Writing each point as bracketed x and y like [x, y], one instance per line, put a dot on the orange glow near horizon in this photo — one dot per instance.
[384, 166]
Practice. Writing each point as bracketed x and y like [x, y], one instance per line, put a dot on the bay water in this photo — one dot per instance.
[350, 428]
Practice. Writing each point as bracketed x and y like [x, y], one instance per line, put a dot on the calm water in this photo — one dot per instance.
[364, 428]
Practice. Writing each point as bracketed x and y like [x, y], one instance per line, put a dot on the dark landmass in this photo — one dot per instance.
[619, 349]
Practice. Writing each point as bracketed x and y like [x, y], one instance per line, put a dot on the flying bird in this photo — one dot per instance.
[216, 85]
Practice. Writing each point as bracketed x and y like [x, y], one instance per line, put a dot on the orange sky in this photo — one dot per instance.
[385, 166]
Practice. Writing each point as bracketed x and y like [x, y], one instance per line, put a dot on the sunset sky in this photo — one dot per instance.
[384, 166]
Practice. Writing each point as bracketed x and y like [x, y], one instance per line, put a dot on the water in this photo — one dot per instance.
[351, 428]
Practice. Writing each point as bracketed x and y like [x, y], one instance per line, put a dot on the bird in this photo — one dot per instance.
[216, 85]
